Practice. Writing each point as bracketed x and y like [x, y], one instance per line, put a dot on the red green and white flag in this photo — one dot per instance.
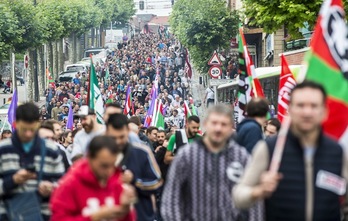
[248, 85]
[95, 99]
[257, 90]
[159, 118]
[327, 63]
[49, 78]
[286, 83]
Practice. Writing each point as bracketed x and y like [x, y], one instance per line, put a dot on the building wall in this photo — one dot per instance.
[278, 46]
[156, 7]
[295, 57]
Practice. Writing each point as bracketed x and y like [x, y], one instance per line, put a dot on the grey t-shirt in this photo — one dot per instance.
[82, 140]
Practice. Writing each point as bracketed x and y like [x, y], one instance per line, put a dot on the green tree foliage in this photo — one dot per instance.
[203, 26]
[29, 25]
[272, 15]
[9, 29]
[24, 25]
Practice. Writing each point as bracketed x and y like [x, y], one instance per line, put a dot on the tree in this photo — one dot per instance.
[9, 30]
[203, 26]
[272, 15]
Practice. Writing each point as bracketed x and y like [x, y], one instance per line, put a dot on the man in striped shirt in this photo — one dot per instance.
[23, 151]
[203, 173]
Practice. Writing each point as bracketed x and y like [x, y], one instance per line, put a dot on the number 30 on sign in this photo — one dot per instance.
[215, 71]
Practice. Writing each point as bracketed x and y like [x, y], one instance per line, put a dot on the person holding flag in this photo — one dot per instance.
[313, 172]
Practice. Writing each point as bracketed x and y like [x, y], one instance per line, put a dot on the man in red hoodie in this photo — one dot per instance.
[92, 189]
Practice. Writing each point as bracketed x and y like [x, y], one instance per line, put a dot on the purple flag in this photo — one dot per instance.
[11, 114]
[154, 95]
[70, 122]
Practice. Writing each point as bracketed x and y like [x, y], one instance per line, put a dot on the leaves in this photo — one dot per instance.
[203, 26]
[24, 26]
[272, 15]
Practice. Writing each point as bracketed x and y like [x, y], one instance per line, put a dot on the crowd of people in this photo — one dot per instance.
[123, 171]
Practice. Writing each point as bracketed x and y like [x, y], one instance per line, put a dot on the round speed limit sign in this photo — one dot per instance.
[215, 71]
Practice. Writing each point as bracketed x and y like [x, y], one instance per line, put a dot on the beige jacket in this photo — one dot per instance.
[260, 163]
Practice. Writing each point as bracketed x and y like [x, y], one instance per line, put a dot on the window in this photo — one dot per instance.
[141, 5]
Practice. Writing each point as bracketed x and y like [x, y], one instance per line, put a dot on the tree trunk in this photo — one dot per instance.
[49, 56]
[60, 56]
[54, 60]
[30, 76]
[92, 36]
[77, 48]
[71, 49]
[40, 70]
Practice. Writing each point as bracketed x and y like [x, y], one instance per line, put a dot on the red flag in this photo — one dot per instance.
[286, 84]
[327, 65]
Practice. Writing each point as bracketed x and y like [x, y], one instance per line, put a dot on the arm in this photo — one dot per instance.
[243, 193]
[168, 158]
[77, 147]
[150, 180]
[172, 198]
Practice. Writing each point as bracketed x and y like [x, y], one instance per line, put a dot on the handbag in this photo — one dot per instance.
[26, 206]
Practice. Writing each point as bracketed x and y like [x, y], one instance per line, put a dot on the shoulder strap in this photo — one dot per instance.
[42, 162]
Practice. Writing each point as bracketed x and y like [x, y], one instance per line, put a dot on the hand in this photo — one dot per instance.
[128, 195]
[107, 212]
[22, 176]
[268, 184]
[127, 176]
[45, 188]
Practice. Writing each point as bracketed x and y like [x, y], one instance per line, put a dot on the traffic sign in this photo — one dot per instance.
[215, 71]
[215, 60]
[26, 61]
[217, 82]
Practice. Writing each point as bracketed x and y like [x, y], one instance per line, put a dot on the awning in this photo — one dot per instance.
[266, 72]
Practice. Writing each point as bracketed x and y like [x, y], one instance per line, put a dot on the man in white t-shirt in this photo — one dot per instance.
[209, 96]
[91, 129]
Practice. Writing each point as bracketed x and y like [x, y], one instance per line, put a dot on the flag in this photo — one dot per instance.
[327, 62]
[107, 75]
[159, 119]
[152, 108]
[70, 122]
[95, 99]
[49, 78]
[128, 104]
[187, 110]
[188, 68]
[250, 68]
[244, 85]
[194, 111]
[286, 84]
[11, 114]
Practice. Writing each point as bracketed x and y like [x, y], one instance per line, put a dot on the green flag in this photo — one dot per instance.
[95, 99]
[159, 119]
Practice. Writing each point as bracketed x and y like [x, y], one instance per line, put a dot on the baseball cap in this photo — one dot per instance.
[85, 111]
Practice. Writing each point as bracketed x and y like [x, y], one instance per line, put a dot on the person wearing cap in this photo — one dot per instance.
[176, 103]
[91, 129]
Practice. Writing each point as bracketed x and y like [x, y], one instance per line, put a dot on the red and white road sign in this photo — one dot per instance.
[215, 71]
[215, 60]
[26, 61]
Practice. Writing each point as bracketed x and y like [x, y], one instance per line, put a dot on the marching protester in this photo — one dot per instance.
[272, 127]
[182, 137]
[313, 170]
[32, 168]
[203, 173]
[91, 128]
[250, 131]
[101, 194]
[138, 165]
